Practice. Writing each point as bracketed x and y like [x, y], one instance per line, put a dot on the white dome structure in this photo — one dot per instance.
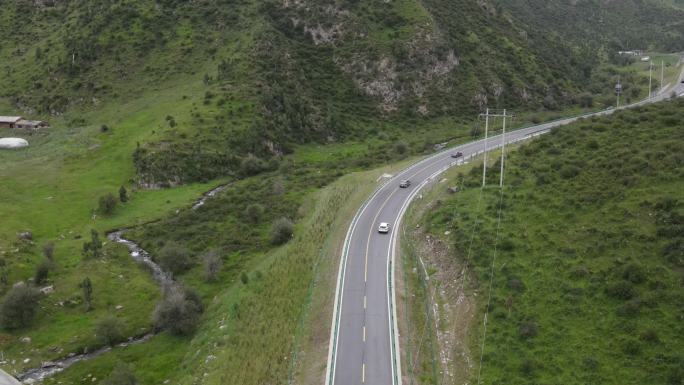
[13, 143]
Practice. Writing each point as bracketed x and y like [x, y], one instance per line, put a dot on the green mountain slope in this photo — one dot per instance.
[617, 25]
[278, 73]
[587, 266]
[278, 99]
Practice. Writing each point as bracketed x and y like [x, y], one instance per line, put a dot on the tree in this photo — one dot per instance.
[281, 231]
[108, 330]
[178, 312]
[251, 165]
[42, 272]
[528, 329]
[121, 375]
[94, 247]
[87, 288]
[212, 266]
[123, 194]
[174, 258]
[20, 306]
[49, 250]
[401, 148]
[107, 204]
[253, 212]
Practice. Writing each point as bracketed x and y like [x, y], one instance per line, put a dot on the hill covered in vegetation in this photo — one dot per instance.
[587, 261]
[276, 100]
[280, 73]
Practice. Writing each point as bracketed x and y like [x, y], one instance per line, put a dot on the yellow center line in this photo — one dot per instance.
[370, 233]
[365, 269]
[375, 219]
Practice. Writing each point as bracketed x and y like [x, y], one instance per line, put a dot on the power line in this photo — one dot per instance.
[488, 115]
[496, 242]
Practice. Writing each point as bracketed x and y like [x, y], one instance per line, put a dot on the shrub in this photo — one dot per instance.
[621, 290]
[516, 284]
[634, 273]
[251, 165]
[109, 330]
[87, 288]
[212, 266]
[281, 232]
[42, 272]
[94, 247]
[569, 171]
[178, 312]
[507, 245]
[175, 258]
[631, 347]
[254, 212]
[278, 187]
[123, 194]
[650, 335]
[121, 375]
[528, 329]
[527, 368]
[630, 308]
[20, 306]
[49, 250]
[401, 148]
[107, 204]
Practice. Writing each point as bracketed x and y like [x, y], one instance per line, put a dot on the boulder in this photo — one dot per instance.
[12, 143]
[47, 290]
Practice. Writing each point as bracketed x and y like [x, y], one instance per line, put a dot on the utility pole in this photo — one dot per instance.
[503, 149]
[650, 77]
[662, 74]
[618, 91]
[484, 165]
[487, 115]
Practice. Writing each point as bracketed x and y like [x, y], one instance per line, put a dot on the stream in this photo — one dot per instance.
[50, 368]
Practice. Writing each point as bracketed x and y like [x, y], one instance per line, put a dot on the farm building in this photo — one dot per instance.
[31, 124]
[9, 121]
[21, 123]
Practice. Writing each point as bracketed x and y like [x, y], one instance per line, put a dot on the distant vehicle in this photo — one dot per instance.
[457, 154]
[404, 183]
[682, 81]
[384, 228]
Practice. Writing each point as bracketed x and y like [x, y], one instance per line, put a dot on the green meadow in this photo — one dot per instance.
[585, 267]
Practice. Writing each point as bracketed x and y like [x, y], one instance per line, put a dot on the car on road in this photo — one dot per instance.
[404, 183]
[384, 228]
[457, 154]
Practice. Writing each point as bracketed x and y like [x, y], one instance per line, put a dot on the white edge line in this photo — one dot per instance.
[342, 269]
[339, 292]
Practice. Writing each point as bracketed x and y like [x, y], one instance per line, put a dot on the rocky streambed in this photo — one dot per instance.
[50, 368]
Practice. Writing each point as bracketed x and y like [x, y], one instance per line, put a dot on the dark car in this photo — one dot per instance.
[404, 183]
[457, 154]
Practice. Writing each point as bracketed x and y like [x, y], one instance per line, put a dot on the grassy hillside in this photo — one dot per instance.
[276, 99]
[587, 262]
[278, 74]
[603, 25]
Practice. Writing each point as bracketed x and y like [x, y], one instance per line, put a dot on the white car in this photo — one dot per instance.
[384, 228]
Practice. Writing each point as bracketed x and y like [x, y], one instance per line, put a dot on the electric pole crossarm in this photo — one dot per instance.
[488, 115]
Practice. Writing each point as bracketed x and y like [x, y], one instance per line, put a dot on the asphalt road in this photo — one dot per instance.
[363, 338]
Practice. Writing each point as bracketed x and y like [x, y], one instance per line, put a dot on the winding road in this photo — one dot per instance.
[364, 337]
